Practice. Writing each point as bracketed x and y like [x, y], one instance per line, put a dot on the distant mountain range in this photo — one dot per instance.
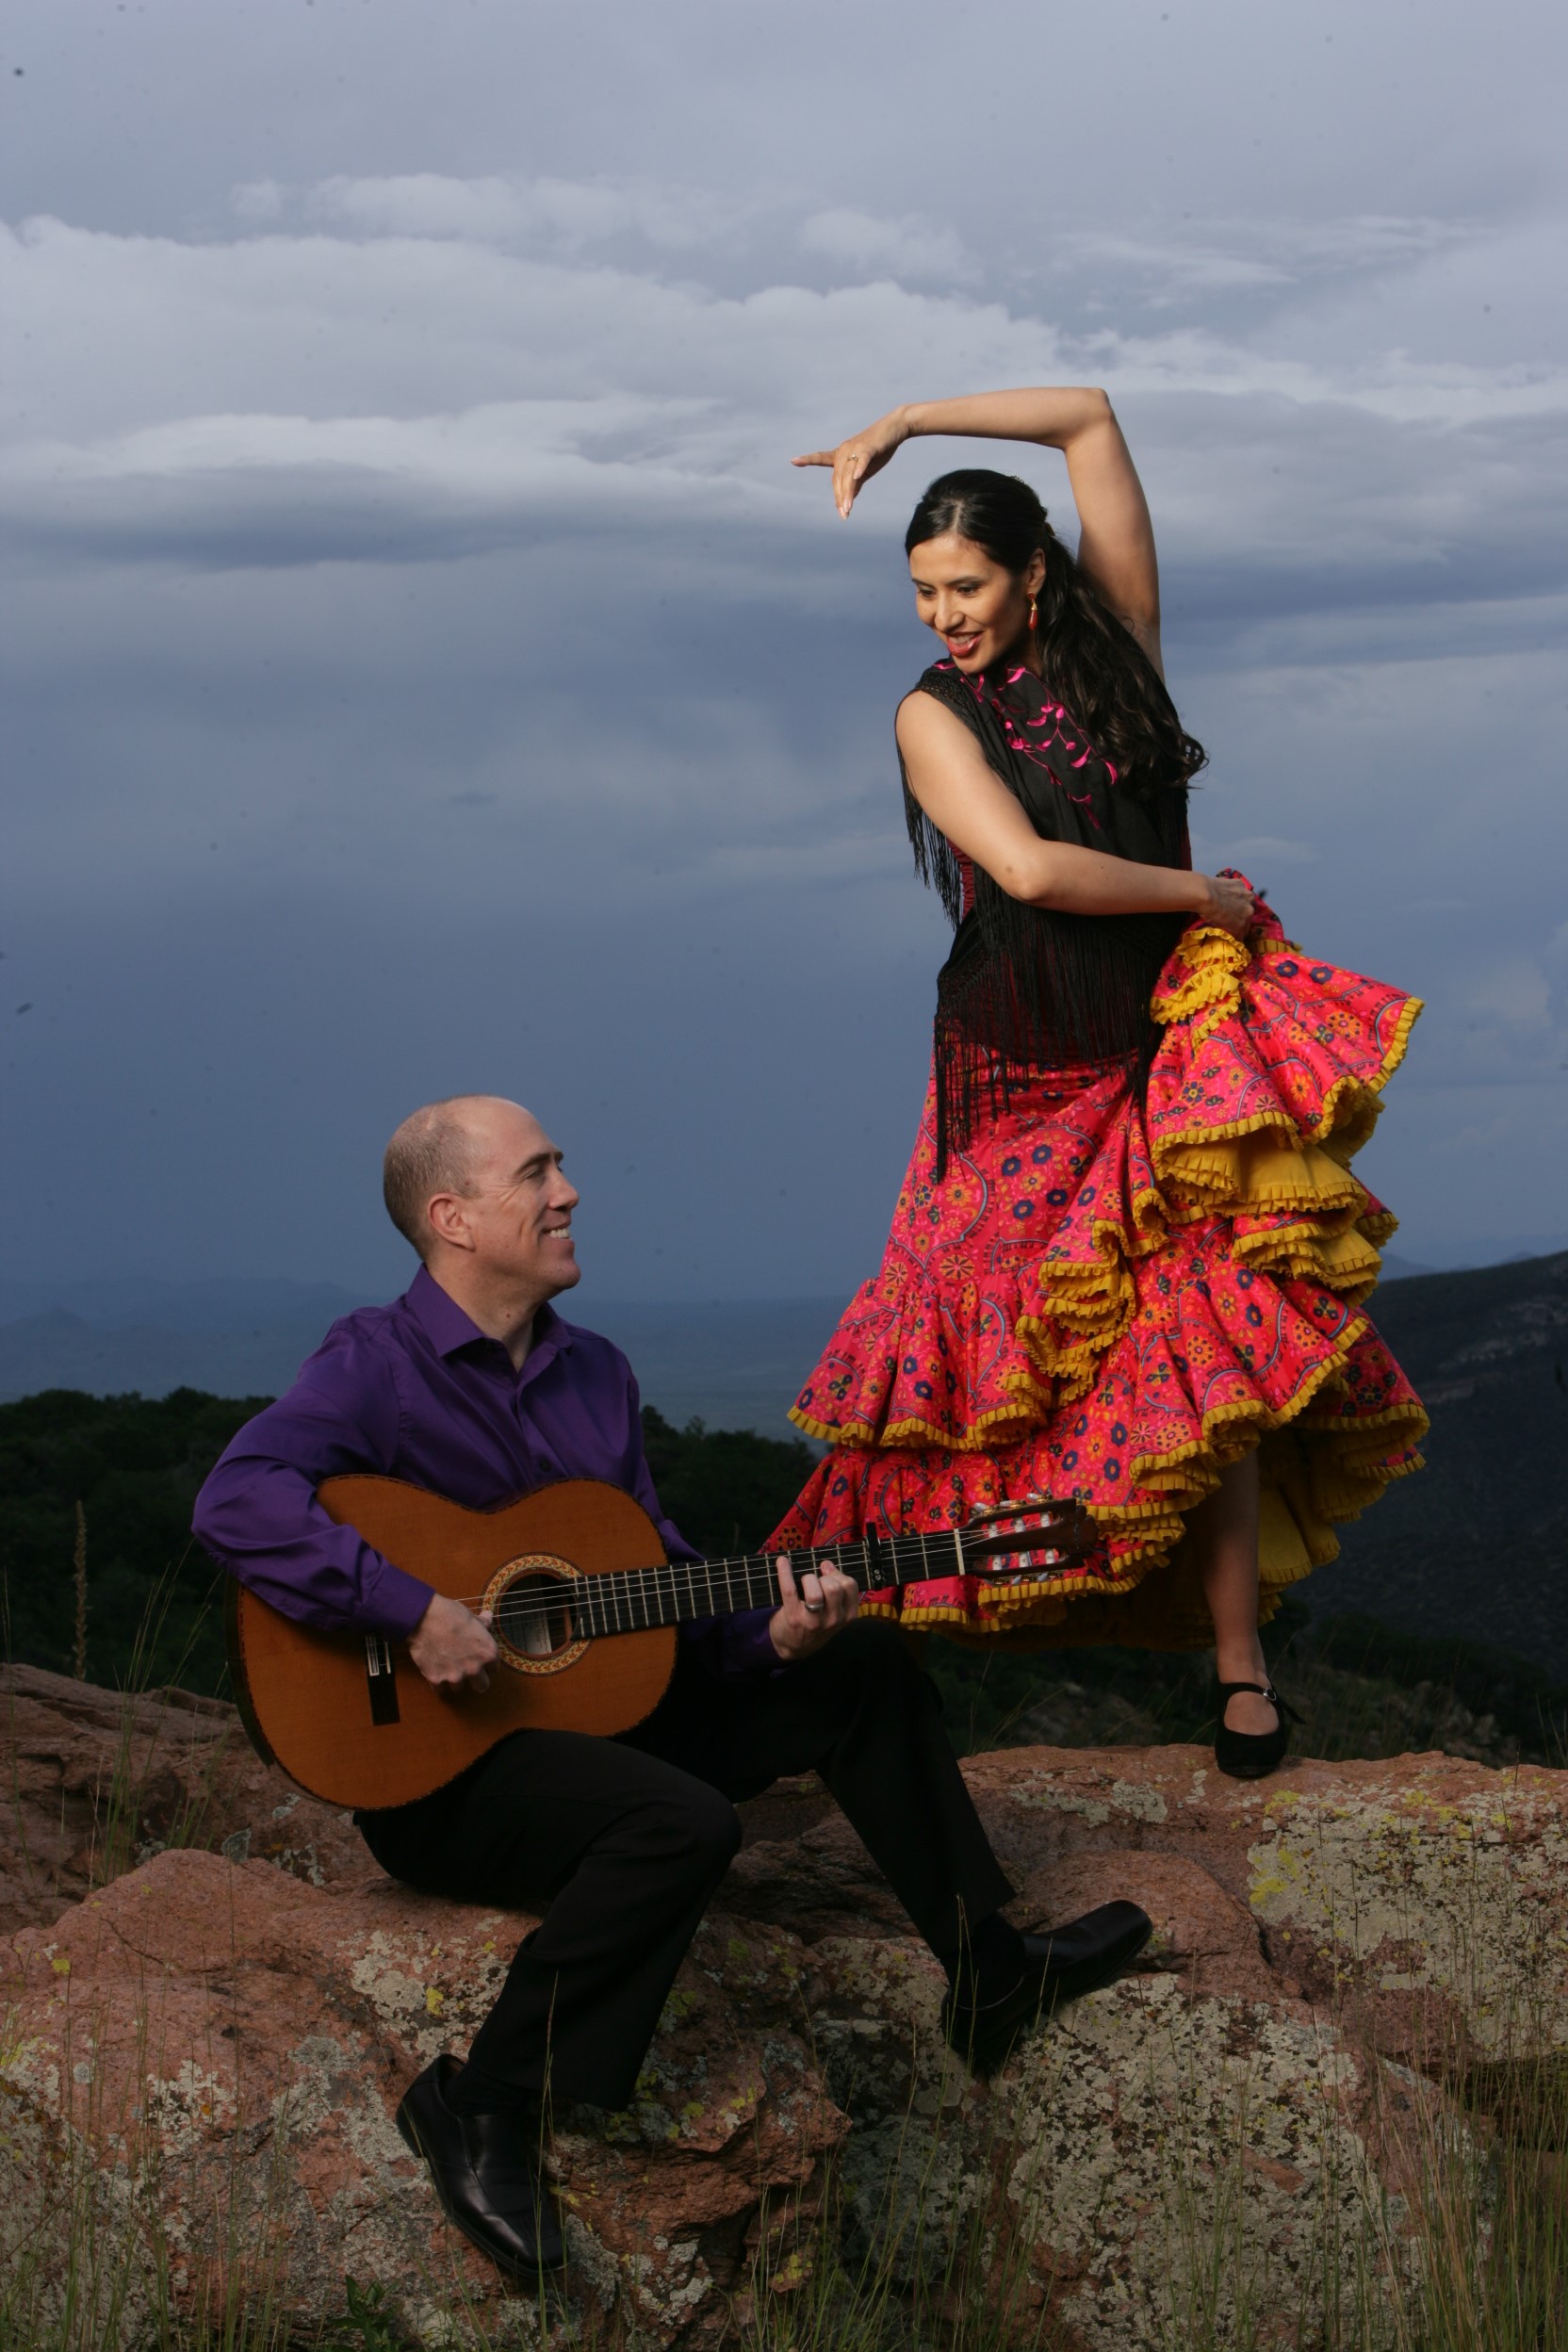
[735, 1364]
[1476, 1544]
[231, 1303]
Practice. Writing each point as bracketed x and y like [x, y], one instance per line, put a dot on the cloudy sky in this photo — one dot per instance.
[426, 672]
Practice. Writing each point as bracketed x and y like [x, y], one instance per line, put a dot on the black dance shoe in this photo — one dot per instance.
[486, 2171]
[1074, 1958]
[1252, 1755]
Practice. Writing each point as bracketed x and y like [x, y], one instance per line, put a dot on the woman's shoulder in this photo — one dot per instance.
[946, 681]
[943, 683]
[924, 719]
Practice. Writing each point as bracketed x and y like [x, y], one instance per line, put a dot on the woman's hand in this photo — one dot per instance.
[1227, 902]
[813, 1610]
[855, 461]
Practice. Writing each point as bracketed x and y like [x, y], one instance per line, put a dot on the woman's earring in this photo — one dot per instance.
[1034, 617]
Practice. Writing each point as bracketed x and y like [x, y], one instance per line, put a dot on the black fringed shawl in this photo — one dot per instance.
[1027, 988]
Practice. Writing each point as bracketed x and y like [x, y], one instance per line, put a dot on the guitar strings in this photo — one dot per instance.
[895, 1550]
[754, 1567]
[674, 1579]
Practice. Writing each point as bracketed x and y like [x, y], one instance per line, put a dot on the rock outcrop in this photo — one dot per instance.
[202, 2056]
[1424, 1895]
[223, 2050]
[96, 1781]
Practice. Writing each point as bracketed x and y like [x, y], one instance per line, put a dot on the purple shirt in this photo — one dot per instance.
[416, 1391]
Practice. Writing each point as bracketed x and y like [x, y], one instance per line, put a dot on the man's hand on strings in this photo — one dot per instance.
[855, 461]
[453, 1648]
[813, 1609]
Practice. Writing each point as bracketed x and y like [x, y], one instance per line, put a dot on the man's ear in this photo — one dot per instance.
[447, 1214]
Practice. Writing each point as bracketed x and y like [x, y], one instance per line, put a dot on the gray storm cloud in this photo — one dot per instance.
[427, 670]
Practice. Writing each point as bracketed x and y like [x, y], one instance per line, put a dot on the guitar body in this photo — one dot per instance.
[351, 1720]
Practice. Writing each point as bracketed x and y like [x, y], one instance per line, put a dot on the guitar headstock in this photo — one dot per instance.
[1029, 1533]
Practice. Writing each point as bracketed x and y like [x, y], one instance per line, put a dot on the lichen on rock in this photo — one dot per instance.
[201, 2059]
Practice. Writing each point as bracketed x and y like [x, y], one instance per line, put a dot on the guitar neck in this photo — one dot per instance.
[631, 1599]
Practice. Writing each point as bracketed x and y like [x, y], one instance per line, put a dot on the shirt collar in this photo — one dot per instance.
[452, 1328]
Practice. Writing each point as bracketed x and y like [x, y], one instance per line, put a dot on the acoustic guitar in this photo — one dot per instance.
[584, 1607]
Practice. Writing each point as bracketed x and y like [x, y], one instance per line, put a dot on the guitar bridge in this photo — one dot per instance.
[381, 1679]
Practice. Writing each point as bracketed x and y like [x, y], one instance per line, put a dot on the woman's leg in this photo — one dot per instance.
[1225, 1529]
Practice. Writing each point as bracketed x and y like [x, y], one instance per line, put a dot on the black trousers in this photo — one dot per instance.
[624, 1840]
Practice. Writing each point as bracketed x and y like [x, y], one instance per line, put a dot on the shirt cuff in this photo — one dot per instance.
[736, 1645]
[394, 1602]
[747, 1646]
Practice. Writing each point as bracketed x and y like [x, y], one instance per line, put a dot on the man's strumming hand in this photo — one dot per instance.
[453, 1648]
[813, 1610]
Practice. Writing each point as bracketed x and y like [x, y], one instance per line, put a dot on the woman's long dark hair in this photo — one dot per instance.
[1097, 670]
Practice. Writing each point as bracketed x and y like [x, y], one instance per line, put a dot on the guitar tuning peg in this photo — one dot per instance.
[1067, 1510]
[1030, 1531]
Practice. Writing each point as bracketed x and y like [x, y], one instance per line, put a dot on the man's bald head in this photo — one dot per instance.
[478, 1187]
[439, 1148]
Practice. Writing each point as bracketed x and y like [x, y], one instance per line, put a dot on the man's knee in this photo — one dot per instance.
[716, 1826]
[699, 1824]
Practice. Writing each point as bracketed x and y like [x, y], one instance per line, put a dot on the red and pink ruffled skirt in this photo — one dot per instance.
[1113, 1301]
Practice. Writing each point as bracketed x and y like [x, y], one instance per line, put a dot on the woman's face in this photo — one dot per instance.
[978, 608]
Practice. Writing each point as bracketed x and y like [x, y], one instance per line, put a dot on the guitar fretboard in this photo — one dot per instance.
[632, 1600]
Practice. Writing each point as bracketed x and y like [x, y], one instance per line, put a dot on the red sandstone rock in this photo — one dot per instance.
[1430, 1891]
[237, 2043]
[95, 1781]
[206, 2052]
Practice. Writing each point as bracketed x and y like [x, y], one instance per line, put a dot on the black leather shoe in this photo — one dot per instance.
[1252, 1755]
[1074, 1958]
[486, 2173]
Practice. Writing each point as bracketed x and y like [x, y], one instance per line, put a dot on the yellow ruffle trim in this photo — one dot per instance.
[1210, 992]
[1328, 1242]
[1345, 1262]
[1263, 1166]
[1210, 986]
[1266, 1168]
[1300, 1504]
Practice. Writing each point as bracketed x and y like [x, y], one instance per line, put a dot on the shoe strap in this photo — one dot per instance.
[1264, 1691]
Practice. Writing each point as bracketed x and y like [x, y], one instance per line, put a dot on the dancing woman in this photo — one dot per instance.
[1129, 1257]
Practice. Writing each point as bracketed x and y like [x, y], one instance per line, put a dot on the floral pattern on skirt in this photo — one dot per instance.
[1112, 1300]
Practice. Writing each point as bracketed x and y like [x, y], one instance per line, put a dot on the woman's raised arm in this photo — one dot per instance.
[1115, 546]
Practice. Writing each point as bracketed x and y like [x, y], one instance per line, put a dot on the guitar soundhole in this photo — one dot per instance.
[533, 1615]
[536, 1618]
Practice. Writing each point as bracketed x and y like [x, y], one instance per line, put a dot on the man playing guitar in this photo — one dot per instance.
[472, 1386]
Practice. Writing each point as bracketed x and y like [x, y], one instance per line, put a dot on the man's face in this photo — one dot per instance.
[519, 1211]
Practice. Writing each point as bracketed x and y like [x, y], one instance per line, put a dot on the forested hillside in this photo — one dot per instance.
[1445, 1623]
[1476, 1544]
[133, 1464]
